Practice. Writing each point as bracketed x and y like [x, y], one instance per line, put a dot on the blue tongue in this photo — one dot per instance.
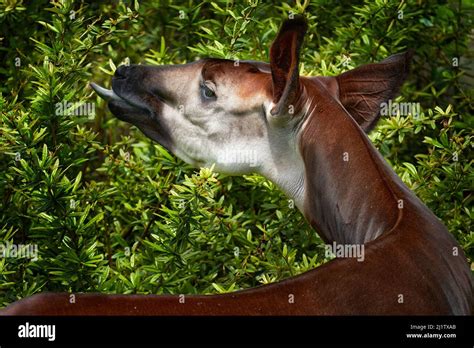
[104, 93]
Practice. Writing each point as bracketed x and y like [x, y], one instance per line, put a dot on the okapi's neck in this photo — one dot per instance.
[349, 195]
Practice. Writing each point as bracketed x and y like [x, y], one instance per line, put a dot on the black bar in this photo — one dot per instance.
[257, 330]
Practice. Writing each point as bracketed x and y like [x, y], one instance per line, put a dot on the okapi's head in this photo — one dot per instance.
[245, 116]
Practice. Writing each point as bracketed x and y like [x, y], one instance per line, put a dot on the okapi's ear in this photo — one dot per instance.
[363, 89]
[284, 63]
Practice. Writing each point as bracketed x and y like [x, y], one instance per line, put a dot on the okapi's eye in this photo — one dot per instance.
[207, 92]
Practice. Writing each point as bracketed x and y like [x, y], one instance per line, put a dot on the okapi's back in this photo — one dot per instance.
[437, 258]
[430, 256]
[418, 253]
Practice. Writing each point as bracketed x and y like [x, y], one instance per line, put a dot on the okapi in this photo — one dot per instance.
[309, 137]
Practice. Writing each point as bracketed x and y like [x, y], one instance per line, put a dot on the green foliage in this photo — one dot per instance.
[111, 211]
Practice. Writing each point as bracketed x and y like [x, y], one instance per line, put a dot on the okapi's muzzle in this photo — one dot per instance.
[130, 100]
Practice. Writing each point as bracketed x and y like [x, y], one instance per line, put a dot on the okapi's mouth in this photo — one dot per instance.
[137, 113]
[122, 108]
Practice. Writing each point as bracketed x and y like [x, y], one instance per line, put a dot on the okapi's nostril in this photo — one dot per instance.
[121, 71]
